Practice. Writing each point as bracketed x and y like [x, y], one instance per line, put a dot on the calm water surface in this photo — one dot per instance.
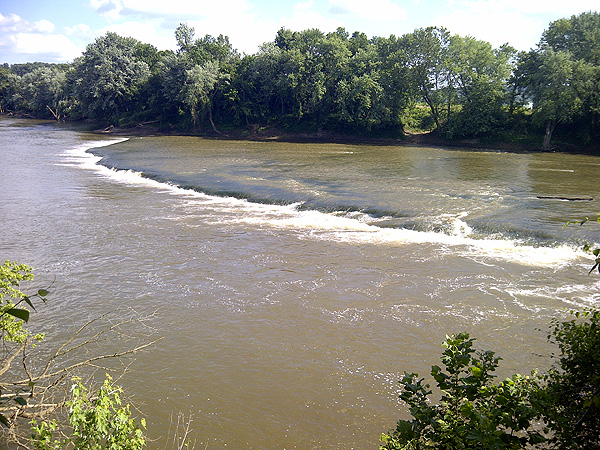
[294, 283]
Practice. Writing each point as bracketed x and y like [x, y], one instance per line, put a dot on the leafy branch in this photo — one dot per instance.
[587, 247]
[31, 393]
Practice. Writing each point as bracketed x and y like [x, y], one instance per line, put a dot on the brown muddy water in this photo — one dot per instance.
[293, 283]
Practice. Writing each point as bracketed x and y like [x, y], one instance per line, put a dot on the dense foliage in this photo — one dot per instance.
[572, 395]
[426, 80]
[473, 413]
[13, 315]
[560, 410]
[97, 422]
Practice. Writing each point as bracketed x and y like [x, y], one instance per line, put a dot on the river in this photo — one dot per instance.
[293, 283]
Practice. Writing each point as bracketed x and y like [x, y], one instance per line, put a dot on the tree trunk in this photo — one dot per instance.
[550, 124]
[55, 114]
[434, 112]
[210, 118]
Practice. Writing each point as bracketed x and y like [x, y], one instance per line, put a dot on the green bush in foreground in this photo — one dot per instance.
[473, 413]
[560, 410]
[571, 398]
[97, 422]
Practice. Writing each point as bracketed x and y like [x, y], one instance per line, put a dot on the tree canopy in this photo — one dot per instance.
[339, 81]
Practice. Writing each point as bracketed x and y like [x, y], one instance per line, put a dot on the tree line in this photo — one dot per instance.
[427, 80]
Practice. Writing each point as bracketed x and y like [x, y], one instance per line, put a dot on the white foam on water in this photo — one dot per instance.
[355, 230]
[79, 155]
[341, 227]
[576, 295]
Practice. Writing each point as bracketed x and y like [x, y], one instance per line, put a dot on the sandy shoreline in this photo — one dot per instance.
[272, 134]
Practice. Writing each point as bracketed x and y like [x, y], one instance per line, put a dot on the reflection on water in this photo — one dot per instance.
[288, 321]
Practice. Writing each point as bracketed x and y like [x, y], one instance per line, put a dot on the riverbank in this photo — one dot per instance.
[517, 144]
[428, 139]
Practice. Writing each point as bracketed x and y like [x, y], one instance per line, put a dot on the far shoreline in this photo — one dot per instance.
[427, 139]
[274, 134]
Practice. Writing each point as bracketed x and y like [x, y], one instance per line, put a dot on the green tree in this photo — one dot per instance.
[301, 82]
[184, 35]
[108, 76]
[561, 78]
[479, 73]
[196, 79]
[9, 83]
[13, 314]
[429, 77]
[579, 35]
[473, 413]
[16, 338]
[199, 90]
[32, 391]
[45, 91]
[361, 101]
[390, 68]
[557, 88]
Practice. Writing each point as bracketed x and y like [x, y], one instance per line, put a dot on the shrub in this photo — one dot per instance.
[473, 413]
[571, 398]
[97, 422]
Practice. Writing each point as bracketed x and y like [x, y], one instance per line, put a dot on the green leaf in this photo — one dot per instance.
[477, 372]
[28, 301]
[22, 314]
[21, 401]
[4, 420]
[536, 438]
[466, 409]
[43, 292]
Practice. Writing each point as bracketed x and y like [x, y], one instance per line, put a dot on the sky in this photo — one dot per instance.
[59, 30]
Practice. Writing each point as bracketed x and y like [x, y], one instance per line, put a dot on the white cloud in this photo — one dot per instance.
[82, 29]
[115, 9]
[560, 8]
[44, 26]
[245, 33]
[496, 27]
[9, 23]
[109, 9]
[154, 21]
[14, 24]
[304, 6]
[39, 47]
[35, 41]
[518, 22]
[161, 33]
[58, 45]
[386, 10]
[303, 19]
[150, 32]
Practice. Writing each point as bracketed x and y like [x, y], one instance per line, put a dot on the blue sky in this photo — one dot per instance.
[58, 31]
